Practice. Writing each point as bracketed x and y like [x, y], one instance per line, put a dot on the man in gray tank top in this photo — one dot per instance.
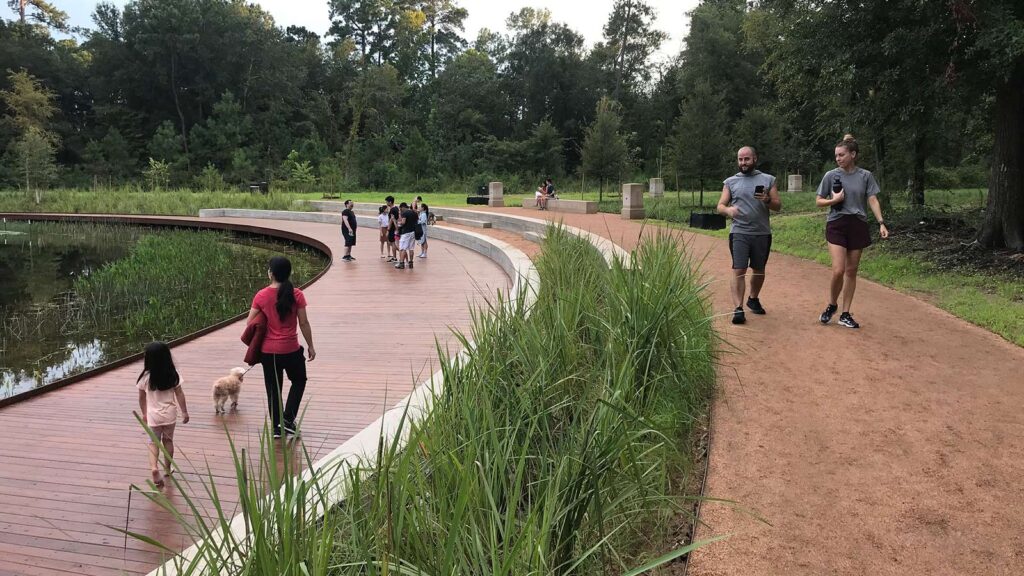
[749, 197]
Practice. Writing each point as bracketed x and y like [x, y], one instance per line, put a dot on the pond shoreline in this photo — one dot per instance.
[173, 222]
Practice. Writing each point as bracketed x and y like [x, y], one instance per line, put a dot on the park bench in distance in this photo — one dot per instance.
[569, 206]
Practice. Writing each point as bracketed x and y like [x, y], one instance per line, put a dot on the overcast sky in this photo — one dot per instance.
[585, 16]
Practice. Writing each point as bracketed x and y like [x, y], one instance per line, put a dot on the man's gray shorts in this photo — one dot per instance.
[749, 250]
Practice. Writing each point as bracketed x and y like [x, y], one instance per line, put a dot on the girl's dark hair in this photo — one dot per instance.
[281, 270]
[382, 209]
[425, 208]
[850, 143]
[159, 365]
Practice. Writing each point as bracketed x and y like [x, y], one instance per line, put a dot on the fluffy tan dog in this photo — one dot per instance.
[227, 387]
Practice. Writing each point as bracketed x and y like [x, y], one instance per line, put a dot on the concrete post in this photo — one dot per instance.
[495, 195]
[633, 201]
[657, 188]
[795, 183]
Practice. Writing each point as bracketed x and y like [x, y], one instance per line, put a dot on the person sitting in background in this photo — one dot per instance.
[542, 198]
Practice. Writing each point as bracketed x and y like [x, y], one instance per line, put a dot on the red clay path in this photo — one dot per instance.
[896, 449]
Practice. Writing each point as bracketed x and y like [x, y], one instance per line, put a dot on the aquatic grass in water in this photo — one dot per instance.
[552, 449]
[67, 308]
[177, 283]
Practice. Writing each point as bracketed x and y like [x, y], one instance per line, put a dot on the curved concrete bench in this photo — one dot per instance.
[362, 448]
[563, 205]
[532, 229]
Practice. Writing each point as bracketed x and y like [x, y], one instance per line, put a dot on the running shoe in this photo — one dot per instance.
[826, 316]
[755, 306]
[738, 317]
[845, 319]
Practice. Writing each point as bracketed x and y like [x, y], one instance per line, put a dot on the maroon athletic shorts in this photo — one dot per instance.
[848, 231]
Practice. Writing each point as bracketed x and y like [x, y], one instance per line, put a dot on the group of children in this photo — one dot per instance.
[402, 228]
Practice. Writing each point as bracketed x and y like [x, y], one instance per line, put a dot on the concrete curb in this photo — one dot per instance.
[362, 448]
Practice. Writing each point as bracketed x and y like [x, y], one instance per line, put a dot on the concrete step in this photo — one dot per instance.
[469, 222]
[536, 237]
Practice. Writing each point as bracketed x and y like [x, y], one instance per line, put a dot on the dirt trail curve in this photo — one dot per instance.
[894, 449]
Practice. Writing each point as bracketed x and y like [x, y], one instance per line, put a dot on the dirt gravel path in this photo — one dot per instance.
[897, 448]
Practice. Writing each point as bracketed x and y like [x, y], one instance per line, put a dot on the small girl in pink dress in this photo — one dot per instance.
[160, 398]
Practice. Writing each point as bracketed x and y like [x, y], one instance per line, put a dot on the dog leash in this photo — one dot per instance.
[247, 370]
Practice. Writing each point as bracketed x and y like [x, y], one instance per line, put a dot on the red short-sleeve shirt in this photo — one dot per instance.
[282, 335]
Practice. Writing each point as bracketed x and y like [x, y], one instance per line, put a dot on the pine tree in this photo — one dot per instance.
[605, 154]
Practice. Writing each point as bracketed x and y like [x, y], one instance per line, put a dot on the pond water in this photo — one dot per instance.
[75, 296]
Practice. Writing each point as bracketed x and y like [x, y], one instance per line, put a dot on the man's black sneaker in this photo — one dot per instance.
[410, 264]
[738, 317]
[400, 265]
[846, 320]
[755, 306]
[277, 433]
[292, 430]
[826, 316]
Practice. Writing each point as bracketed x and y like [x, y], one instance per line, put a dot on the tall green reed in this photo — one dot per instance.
[551, 450]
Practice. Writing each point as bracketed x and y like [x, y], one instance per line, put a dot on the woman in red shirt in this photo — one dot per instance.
[284, 307]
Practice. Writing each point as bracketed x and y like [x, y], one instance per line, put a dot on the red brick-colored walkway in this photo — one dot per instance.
[894, 449]
[68, 456]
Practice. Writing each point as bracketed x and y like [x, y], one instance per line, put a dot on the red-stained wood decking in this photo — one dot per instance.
[69, 456]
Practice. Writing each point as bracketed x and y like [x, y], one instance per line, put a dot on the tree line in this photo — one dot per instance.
[212, 93]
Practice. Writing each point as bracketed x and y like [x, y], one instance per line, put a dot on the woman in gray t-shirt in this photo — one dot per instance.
[848, 191]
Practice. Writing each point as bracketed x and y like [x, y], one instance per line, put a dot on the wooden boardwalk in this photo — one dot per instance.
[69, 456]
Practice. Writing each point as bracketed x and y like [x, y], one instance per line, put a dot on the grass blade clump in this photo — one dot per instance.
[553, 449]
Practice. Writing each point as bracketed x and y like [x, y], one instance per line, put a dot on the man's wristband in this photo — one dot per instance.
[881, 222]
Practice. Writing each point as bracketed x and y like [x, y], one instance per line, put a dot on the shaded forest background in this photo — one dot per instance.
[211, 94]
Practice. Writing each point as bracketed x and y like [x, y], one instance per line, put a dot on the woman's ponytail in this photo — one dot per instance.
[281, 270]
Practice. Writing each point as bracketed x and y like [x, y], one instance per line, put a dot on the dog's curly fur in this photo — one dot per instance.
[226, 388]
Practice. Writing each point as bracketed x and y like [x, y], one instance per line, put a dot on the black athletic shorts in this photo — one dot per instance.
[749, 250]
[350, 239]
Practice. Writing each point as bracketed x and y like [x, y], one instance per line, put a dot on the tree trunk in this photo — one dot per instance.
[917, 176]
[1004, 215]
[622, 51]
[177, 106]
[433, 46]
[21, 10]
[885, 198]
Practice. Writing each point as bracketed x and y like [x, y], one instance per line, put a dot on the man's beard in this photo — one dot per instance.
[746, 170]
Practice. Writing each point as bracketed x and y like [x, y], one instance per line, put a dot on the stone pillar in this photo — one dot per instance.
[633, 201]
[495, 195]
[657, 188]
[795, 183]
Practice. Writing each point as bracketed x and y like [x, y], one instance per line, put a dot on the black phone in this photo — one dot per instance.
[758, 189]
